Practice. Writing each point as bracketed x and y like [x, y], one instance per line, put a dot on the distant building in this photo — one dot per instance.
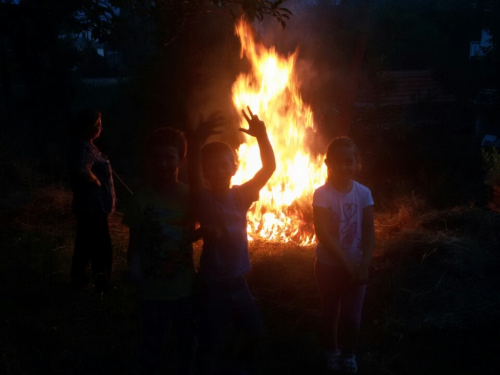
[112, 59]
[479, 48]
[402, 88]
[487, 126]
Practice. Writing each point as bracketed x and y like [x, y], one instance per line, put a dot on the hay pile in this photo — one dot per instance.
[432, 300]
[440, 271]
[433, 271]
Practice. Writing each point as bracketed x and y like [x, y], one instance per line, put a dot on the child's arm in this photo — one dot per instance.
[321, 220]
[82, 166]
[195, 235]
[199, 233]
[89, 177]
[257, 129]
[367, 244]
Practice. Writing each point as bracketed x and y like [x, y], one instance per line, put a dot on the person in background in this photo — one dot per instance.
[93, 200]
[161, 253]
[221, 209]
[344, 224]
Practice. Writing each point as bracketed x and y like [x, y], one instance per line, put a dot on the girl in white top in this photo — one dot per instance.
[343, 219]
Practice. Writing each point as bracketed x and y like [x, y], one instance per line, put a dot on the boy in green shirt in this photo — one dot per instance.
[161, 253]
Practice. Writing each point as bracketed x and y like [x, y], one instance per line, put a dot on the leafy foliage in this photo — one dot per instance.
[171, 16]
[491, 164]
[164, 19]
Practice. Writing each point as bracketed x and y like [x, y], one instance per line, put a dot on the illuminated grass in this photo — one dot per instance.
[433, 272]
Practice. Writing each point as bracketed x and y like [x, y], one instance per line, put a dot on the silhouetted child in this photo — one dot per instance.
[160, 251]
[222, 213]
[93, 200]
[343, 219]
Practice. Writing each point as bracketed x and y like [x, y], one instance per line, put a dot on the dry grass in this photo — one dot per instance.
[48, 327]
[433, 271]
[438, 269]
[400, 215]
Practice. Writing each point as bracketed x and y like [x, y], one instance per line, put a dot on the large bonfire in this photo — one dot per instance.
[271, 90]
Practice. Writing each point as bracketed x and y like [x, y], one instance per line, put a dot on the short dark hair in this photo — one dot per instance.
[343, 142]
[212, 149]
[84, 119]
[165, 137]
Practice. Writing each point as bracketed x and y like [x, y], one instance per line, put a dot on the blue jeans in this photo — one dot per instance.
[218, 302]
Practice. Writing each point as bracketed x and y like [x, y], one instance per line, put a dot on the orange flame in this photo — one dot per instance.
[283, 212]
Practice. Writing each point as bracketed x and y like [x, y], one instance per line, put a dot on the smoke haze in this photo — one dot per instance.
[312, 30]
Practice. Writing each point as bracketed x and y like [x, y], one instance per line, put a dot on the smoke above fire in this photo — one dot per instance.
[310, 34]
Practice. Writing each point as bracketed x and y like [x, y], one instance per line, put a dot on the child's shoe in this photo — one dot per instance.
[349, 365]
[334, 361]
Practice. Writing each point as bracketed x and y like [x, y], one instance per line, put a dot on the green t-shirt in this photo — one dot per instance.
[166, 252]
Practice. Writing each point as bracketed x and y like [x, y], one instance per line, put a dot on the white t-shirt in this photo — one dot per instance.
[344, 219]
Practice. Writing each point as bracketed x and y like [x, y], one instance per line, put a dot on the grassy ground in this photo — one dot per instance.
[432, 304]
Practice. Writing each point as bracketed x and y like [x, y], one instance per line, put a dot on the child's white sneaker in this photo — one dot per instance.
[334, 361]
[349, 365]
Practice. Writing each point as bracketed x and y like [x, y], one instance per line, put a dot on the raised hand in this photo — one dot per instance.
[209, 126]
[256, 127]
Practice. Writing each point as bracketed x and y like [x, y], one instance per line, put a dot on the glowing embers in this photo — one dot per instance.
[284, 211]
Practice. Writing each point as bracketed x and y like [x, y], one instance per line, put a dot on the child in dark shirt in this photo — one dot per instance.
[221, 210]
[160, 251]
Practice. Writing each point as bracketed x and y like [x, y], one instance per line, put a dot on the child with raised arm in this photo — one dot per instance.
[161, 253]
[222, 212]
[343, 219]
